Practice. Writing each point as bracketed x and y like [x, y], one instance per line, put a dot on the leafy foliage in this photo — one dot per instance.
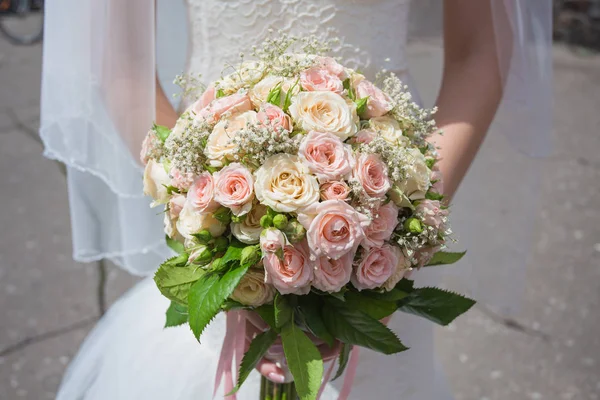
[343, 360]
[162, 132]
[373, 307]
[445, 258]
[256, 351]
[355, 327]
[207, 296]
[361, 105]
[304, 361]
[174, 278]
[176, 315]
[176, 246]
[309, 308]
[283, 311]
[267, 313]
[437, 305]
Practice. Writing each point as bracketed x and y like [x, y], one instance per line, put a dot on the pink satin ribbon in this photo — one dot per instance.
[234, 344]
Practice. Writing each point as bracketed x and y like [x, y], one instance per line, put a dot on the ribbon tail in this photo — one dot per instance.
[226, 358]
[350, 374]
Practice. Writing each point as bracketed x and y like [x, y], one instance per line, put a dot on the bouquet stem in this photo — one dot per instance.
[277, 391]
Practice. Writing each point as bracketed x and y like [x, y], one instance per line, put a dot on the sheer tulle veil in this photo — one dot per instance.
[98, 101]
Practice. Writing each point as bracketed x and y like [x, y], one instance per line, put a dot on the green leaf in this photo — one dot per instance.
[337, 295]
[256, 351]
[162, 132]
[283, 311]
[233, 253]
[174, 281]
[374, 308]
[434, 196]
[207, 296]
[232, 305]
[171, 189]
[405, 285]
[343, 359]
[176, 246]
[361, 105]
[176, 315]
[267, 313]
[304, 361]
[355, 327]
[310, 312]
[347, 86]
[274, 96]
[392, 295]
[220, 93]
[287, 102]
[445, 258]
[437, 305]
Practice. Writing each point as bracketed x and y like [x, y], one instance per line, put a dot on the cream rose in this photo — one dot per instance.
[219, 147]
[285, 184]
[248, 231]
[389, 129]
[156, 181]
[259, 92]
[325, 112]
[247, 73]
[191, 221]
[252, 289]
[416, 183]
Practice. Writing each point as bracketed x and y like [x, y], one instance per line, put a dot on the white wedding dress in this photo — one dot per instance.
[129, 355]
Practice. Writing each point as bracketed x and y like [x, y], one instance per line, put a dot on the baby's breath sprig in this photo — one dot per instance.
[186, 149]
[257, 142]
[190, 84]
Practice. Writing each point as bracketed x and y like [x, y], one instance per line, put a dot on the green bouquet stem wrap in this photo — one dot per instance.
[277, 391]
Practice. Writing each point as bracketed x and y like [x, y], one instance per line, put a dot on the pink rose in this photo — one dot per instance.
[326, 156]
[332, 66]
[317, 79]
[372, 174]
[236, 103]
[364, 136]
[275, 117]
[234, 188]
[207, 97]
[333, 228]
[379, 102]
[425, 254]
[437, 180]
[176, 205]
[382, 226]
[148, 146]
[432, 214]
[272, 240]
[181, 180]
[332, 275]
[375, 267]
[201, 194]
[291, 273]
[335, 190]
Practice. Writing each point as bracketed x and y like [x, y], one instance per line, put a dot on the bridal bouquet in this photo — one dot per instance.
[296, 189]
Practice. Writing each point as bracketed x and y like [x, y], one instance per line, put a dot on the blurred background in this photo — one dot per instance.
[551, 350]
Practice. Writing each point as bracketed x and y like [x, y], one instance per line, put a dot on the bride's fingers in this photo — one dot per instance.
[270, 370]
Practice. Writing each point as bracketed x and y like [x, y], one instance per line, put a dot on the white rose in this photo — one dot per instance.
[389, 129]
[191, 222]
[219, 147]
[252, 289]
[260, 91]
[248, 231]
[155, 181]
[285, 184]
[417, 180]
[247, 73]
[325, 112]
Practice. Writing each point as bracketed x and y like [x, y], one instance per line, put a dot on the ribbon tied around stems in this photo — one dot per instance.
[233, 345]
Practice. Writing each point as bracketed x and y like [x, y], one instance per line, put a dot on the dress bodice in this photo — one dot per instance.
[372, 33]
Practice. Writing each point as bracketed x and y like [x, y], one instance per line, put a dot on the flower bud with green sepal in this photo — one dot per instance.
[220, 244]
[251, 255]
[266, 221]
[413, 225]
[280, 221]
[294, 231]
[201, 255]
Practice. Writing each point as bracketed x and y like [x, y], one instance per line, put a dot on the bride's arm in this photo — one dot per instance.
[165, 113]
[471, 86]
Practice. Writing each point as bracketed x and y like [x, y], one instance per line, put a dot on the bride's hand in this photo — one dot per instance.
[273, 366]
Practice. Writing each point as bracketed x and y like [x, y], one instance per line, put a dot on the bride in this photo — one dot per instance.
[101, 93]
